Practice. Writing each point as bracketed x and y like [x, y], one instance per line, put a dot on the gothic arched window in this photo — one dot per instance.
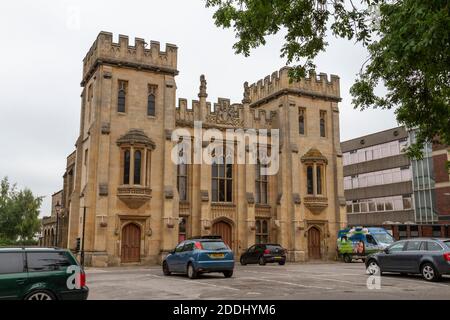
[222, 181]
[309, 180]
[121, 96]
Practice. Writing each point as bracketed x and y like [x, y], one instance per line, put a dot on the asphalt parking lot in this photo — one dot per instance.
[291, 281]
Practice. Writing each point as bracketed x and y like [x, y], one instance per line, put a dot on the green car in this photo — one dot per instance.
[41, 274]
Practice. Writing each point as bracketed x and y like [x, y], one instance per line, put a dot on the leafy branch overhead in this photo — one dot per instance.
[408, 42]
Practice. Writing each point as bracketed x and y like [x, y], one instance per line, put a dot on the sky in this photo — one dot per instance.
[42, 46]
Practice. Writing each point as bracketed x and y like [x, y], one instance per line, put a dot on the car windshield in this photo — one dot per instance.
[214, 245]
[383, 237]
[273, 247]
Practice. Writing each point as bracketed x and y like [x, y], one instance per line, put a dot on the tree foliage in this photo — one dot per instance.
[19, 213]
[408, 42]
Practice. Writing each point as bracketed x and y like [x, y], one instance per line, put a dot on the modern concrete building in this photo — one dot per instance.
[441, 156]
[383, 186]
[378, 178]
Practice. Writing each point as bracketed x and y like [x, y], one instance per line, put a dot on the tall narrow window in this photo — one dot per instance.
[309, 180]
[121, 96]
[137, 167]
[322, 124]
[222, 181]
[126, 167]
[301, 121]
[261, 184]
[319, 179]
[262, 231]
[182, 176]
[182, 229]
[151, 105]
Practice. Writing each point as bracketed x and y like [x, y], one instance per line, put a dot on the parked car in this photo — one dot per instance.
[196, 256]
[429, 257]
[264, 253]
[40, 274]
[359, 242]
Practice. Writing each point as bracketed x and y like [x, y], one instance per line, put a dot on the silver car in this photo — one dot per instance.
[429, 257]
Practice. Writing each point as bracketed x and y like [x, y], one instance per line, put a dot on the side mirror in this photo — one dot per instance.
[386, 250]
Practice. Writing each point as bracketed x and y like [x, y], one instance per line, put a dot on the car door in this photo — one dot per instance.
[248, 255]
[185, 255]
[412, 255]
[390, 260]
[48, 269]
[174, 262]
[13, 276]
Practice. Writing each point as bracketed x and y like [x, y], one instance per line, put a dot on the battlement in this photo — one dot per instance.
[278, 82]
[223, 114]
[104, 50]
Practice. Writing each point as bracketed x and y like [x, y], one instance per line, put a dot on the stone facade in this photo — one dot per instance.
[129, 188]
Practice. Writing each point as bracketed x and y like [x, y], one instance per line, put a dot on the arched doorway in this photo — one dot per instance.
[314, 243]
[223, 229]
[131, 243]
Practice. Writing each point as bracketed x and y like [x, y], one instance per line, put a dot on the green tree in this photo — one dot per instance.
[408, 42]
[19, 213]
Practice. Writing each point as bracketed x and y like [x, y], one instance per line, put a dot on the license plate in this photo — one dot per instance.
[216, 255]
[277, 258]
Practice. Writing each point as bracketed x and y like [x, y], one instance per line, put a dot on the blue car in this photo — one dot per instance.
[196, 256]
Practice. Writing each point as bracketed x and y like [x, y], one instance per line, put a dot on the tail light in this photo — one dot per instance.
[447, 256]
[82, 279]
[198, 246]
[267, 251]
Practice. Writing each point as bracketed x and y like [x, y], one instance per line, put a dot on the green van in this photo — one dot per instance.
[41, 274]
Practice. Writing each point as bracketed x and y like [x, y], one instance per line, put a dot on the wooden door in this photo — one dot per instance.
[223, 229]
[314, 243]
[131, 243]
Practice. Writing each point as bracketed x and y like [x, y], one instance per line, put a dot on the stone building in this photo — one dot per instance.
[138, 203]
[48, 223]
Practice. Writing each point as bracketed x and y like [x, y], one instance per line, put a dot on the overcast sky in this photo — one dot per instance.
[44, 42]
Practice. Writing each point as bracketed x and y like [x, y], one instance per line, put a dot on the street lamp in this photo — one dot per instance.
[57, 209]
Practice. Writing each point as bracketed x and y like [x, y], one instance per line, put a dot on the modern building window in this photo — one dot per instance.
[301, 121]
[261, 184]
[309, 180]
[121, 96]
[323, 123]
[392, 203]
[137, 166]
[262, 231]
[222, 181]
[377, 178]
[374, 152]
[182, 181]
[126, 167]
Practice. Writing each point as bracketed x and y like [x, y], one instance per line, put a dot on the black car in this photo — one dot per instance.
[264, 253]
[429, 257]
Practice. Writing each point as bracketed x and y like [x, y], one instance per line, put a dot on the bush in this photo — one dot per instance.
[8, 242]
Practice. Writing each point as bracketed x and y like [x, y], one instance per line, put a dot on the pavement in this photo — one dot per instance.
[333, 280]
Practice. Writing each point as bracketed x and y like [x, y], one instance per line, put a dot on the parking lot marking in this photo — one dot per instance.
[287, 283]
[197, 282]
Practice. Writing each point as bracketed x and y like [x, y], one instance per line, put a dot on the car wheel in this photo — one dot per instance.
[282, 263]
[262, 262]
[166, 270]
[228, 274]
[347, 258]
[191, 272]
[429, 272]
[242, 260]
[40, 295]
[373, 267]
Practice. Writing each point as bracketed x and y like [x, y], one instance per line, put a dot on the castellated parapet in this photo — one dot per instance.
[278, 83]
[223, 114]
[104, 50]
